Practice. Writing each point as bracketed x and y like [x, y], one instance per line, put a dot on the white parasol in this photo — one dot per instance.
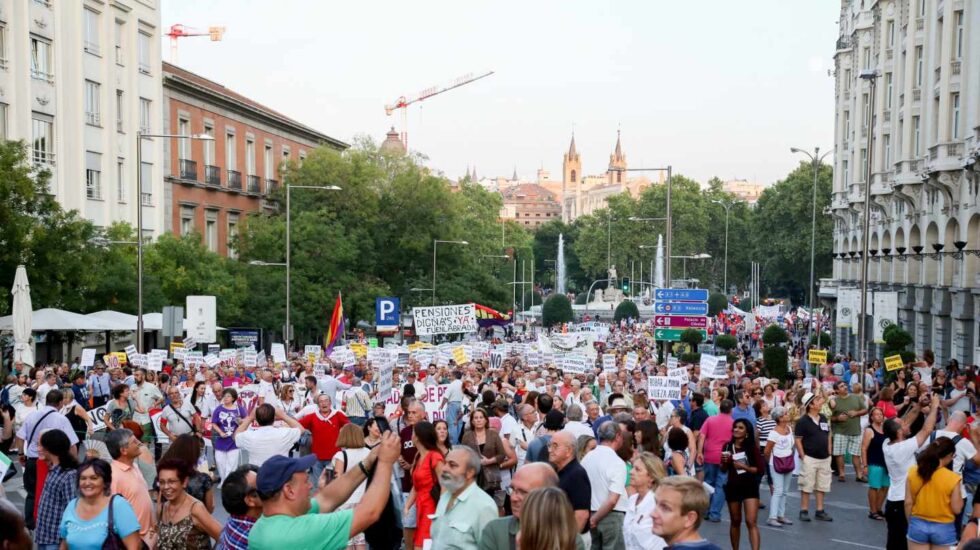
[23, 318]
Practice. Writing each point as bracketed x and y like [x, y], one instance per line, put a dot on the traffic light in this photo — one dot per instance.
[626, 285]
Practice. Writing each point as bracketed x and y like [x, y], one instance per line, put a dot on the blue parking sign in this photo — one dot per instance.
[386, 312]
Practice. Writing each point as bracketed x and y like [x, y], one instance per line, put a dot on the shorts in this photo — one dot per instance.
[815, 475]
[409, 520]
[847, 444]
[878, 477]
[922, 531]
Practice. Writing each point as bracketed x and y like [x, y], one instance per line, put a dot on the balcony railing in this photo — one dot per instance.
[920, 23]
[253, 184]
[234, 179]
[954, 67]
[844, 43]
[93, 119]
[188, 169]
[916, 94]
[146, 199]
[212, 175]
[271, 186]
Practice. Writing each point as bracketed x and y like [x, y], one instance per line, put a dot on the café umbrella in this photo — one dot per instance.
[22, 318]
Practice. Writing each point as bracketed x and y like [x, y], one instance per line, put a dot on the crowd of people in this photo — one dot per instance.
[307, 453]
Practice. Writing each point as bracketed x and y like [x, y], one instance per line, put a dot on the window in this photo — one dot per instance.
[93, 176]
[183, 145]
[866, 111]
[186, 220]
[232, 233]
[91, 22]
[915, 136]
[120, 180]
[145, 106]
[955, 123]
[866, 57]
[887, 146]
[864, 163]
[847, 126]
[958, 39]
[42, 139]
[146, 174]
[211, 230]
[143, 48]
[230, 152]
[919, 67]
[302, 157]
[93, 109]
[119, 111]
[3, 121]
[269, 173]
[573, 176]
[3, 47]
[209, 146]
[888, 90]
[847, 80]
[922, 8]
[890, 32]
[847, 179]
[250, 157]
[285, 153]
[41, 62]
[119, 37]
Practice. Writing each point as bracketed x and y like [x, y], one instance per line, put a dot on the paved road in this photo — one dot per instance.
[847, 504]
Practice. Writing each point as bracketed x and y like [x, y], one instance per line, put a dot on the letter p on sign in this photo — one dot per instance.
[386, 312]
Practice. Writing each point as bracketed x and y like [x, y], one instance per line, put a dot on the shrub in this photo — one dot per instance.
[726, 342]
[774, 362]
[774, 334]
[693, 358]
[692, 337]
[825, 340]
[626, 310]
[717, 303]
[557, 310]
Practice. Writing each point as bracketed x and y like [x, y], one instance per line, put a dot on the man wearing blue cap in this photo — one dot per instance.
[290, 519]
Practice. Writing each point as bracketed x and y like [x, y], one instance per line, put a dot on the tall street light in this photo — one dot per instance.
[289, 327]
[435, 246]
[140, 136]
[670, 226]
[871, 75]
[728, 209]
[701, 256]
[815, 159]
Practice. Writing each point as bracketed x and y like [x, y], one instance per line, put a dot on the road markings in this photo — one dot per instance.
[857, 544]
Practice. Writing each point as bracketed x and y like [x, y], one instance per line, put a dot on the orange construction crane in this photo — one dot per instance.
[403, 102]
[183, 31]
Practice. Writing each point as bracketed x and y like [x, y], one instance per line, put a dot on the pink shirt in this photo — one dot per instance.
[129, 482]
[717, 430]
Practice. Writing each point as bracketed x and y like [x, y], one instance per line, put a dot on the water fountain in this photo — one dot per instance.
[658, 280]
[560, 266]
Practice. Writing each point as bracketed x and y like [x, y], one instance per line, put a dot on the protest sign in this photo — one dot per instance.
[496, 360]
[212, 360]
[98, 417]
[817, 356]
[431, 398]
[461, 355]
[313, 352]
[88, 358]
[278, 353]
[5, 464]
[359, 349]
[250, 358]
[189, 343]
[672, 362]
[385, 379]
[713, 366]
[454, 319]
[664, 388]
[680, 374]
[575, 363]
[893, 362]
[609, 362]
[632, 358]
[130, 350]
[111, 360]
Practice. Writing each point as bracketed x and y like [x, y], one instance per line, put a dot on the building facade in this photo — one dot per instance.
[212, 184]
[922, 141]
[78, 80]
[530, 205]
[744, 190]
[581, 195]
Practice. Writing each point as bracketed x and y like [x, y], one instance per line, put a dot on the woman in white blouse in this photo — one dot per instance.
[647, 471]
[781, 455]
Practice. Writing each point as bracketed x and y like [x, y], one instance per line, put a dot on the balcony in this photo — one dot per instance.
[188, 170]
[939, 73]
[954, 67]
[916, 94]
[212, 175]
[234, 180]
[920, 23]
[93, 119]
[146, 199]
[889, 53]
[271, 186]
[844, 43]
[252, 184]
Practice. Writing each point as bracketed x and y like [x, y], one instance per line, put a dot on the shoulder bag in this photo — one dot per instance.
[112, 540]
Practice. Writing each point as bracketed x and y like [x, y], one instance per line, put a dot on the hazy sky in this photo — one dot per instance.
[713, 87]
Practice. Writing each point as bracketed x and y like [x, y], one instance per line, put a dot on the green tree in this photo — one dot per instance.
[692, 337]
[774, 334]
[626, 310]
[726, 342]
[717, 303]
[557, 309]
[825, 339]
[774, 355]
[897, 340]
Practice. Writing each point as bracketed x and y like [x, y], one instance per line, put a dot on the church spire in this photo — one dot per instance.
[619, 147]
[571, 147]
[515, 174]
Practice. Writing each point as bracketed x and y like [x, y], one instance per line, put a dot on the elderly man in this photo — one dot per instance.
[607, 478]
[100, 387]
[267, 440]
[325, 424]
[500, 533]
[574, 423]
[572, 478]
[125, 449]
[523, 434]
[179, 416]
[464, 509]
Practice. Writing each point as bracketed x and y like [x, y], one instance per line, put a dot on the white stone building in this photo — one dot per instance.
[78, 78]
[924, 239]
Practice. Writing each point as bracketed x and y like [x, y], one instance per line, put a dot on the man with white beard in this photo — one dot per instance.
[464, 509]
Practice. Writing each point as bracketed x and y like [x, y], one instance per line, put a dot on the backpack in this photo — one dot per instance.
[5, 394]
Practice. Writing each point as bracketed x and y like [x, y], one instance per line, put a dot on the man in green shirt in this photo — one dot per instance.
[464, 509]
[291, 520]
[847, 409]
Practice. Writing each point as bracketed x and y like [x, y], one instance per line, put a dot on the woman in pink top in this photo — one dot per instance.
[886, 404]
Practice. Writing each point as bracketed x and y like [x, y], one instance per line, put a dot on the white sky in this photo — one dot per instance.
[713, 87]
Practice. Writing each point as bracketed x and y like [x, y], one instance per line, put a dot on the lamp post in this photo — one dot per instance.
[435, 246]
[871, 75]
[701, 256]
[670, 232]
[140, 136]
[289, 327]
[728, 209]
[815, 159]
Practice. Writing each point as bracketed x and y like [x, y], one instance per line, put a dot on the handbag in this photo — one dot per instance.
[784, 464]
[112, 540]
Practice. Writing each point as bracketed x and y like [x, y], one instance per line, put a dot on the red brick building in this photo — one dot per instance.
[212, 185]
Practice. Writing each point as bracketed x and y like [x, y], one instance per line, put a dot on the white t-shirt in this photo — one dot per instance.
[176, 424]
[266, 391]
[638, 525]
[454, 392]
[521, 434]
[353, 457]
[783, 445]
[265, 442]
[507, 426]
[607, 474]
[899, 458]
[964, 449]
[577, 428]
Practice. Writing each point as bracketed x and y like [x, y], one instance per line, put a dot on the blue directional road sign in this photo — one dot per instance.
[386, 312]
[681, 308]
[681, 294]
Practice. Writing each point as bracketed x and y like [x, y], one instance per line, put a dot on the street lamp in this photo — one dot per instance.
[728, 209]
[266, 264]
[701, 256]
[289, 328]
[140, 136]
[815, 159]
[871, 75]
[435, 245]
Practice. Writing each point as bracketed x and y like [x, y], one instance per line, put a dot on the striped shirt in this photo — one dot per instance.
[357, 403]
[59, 489]
[235, 534]
[765, 426]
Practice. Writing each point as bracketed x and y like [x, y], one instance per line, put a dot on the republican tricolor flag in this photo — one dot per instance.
[335, 330]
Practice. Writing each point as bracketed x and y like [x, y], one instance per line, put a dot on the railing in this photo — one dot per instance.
[954, 67]
[212, 175]
[41, 156]
[144, 68]
[954, 149]
[888, 116]
[889, 53]
[844, 43]
[120, 60]
[920, 23]
[146, 199]
[916, 94]
[271, 186]
[92, 48]
[42, 75]
[188, 169]
[3, 63]
[252, 184]
[234, 179]
[95, 119]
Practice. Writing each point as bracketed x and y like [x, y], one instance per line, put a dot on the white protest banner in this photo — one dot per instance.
[575, 363]
[609, 362]
[632, 358]
[111, 361]
[709, 366]
[98, 417]
[130, 350]
[385, 379]
[180, 352]
[190, 343]
[88, 357]
[137, 360]
[212, 360]
[453, 319]
[664, 388]
[154, 362]
[313, 351]
[262, 361]
[534, 359]
[278, 353]
[251, 358]
[496, 360]
[680, 374]
[672, 362]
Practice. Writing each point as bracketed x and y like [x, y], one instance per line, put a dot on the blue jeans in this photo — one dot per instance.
[317, 469]
[453, 409]
[48, 546]
[716, 478]
[781, 484]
